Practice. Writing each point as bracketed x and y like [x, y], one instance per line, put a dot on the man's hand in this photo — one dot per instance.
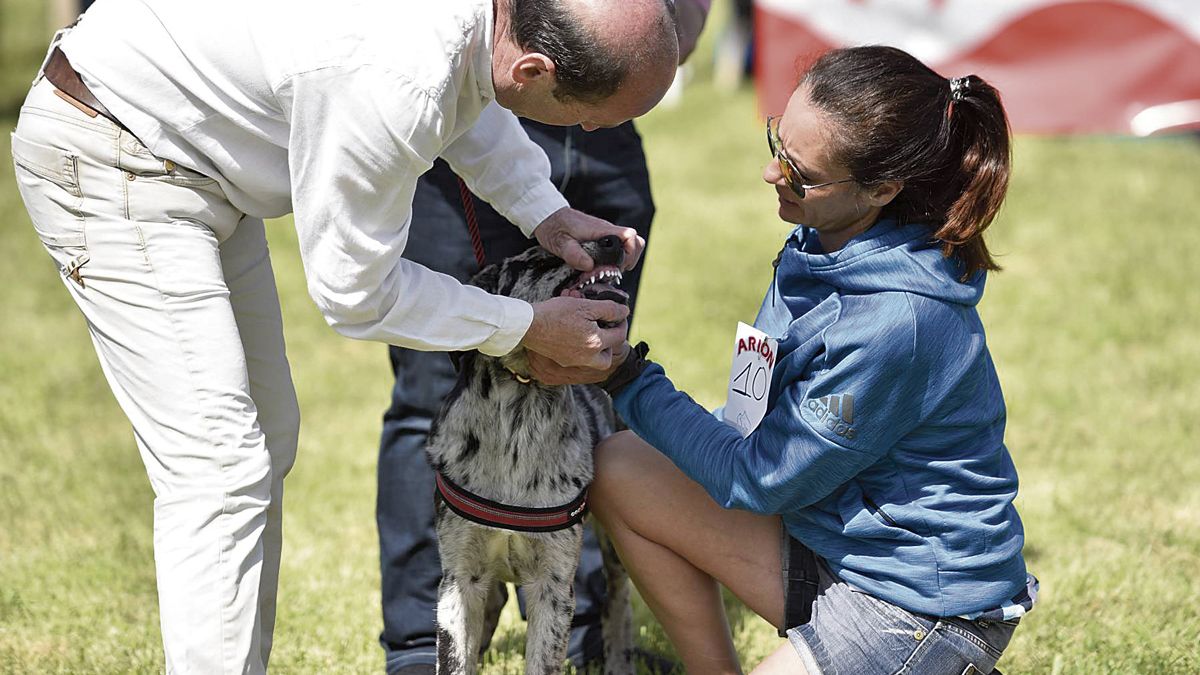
[546, 371]
[565, 228]
[564, 330]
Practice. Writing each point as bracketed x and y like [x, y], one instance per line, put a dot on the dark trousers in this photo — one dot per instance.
[602, 173]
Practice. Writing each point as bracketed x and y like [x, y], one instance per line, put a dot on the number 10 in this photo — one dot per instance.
[756, 383]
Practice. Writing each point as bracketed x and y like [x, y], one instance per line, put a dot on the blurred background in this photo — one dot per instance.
[1093, 325]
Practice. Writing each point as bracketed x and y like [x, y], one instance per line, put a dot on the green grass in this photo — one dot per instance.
[1092, 325]
[25, 29]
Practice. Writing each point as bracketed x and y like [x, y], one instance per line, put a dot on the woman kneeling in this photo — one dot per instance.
[869, 515]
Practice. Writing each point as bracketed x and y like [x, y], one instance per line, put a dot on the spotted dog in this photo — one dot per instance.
[513, 460]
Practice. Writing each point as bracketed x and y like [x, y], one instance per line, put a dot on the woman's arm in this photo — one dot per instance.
[825, 427]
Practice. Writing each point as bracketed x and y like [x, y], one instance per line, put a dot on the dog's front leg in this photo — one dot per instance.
[550, 600]
[460, 617]
[550, 605]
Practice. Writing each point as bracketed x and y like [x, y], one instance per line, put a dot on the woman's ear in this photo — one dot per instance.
[882, 194]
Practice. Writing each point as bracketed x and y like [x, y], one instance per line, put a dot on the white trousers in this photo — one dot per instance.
[178, 293]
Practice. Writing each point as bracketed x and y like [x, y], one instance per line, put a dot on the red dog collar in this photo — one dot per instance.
[518, 518]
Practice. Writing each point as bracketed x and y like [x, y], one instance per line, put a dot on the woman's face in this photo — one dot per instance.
[837, 212]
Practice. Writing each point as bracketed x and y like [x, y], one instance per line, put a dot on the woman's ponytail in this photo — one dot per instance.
[979, 140]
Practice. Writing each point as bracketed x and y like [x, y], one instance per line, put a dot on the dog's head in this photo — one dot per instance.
[538, 275]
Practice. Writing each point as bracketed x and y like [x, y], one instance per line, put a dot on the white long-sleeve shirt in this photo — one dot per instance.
[331, 110]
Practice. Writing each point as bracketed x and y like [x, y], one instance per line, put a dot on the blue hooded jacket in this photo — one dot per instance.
[883, 442]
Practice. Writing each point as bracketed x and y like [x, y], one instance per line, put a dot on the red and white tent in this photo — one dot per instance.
[1062, 66]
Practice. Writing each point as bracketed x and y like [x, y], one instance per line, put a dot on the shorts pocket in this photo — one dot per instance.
[952, 648]
[991, 636]
[48, 179]
[891, 614]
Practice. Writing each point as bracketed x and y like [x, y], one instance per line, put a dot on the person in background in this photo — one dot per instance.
[734, 61]
[603, 173]
[869, 514]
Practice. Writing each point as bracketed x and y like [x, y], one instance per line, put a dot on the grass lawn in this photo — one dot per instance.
[1092, 324]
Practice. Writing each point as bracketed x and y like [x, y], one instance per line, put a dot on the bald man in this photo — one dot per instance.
[161, 133]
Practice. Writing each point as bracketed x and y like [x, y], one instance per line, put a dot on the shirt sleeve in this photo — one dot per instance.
[359, 140]
[499, 163]
[809, 443]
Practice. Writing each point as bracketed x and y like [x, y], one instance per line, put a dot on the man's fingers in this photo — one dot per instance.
[634, 245]
[563, 231]
[613, 337]
[606, 310]
[595, 229]
[574, 255]
[548, 371]
[567, 331]
[601, 360]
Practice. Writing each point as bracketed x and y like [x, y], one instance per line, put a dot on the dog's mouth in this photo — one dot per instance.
[599, 284]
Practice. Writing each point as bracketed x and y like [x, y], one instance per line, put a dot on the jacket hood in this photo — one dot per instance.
[887, 257]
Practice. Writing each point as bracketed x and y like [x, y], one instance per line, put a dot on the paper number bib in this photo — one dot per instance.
[749, 378]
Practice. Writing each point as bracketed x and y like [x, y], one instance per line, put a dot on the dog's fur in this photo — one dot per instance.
[530, 445]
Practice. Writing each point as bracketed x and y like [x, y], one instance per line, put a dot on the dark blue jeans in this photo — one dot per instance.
[602, 173]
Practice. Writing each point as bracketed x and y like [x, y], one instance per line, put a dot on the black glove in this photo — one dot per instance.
[635, 362]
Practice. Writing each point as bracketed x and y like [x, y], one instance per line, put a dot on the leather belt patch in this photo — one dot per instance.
[73, 101]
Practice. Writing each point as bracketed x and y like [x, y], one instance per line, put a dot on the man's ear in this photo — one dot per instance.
[533, 68]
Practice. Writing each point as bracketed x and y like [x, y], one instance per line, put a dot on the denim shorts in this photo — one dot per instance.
[853, 633]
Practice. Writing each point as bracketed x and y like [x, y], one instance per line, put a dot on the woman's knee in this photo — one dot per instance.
[615, 461]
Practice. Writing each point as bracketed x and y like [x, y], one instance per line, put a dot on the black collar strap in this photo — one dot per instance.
[517, 518]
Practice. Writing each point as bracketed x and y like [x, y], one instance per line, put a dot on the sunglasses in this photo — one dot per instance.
[791, 175]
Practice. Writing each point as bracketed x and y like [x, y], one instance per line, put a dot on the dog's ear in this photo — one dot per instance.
[487, 278]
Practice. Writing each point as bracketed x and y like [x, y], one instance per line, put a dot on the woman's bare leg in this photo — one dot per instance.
[782, 661]
[678, 543]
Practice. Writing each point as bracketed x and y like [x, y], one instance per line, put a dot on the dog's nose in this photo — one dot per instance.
[609, 251]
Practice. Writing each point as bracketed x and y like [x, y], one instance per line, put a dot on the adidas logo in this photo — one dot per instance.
[836, 412]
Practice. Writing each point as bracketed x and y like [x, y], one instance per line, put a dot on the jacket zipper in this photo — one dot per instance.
[880, 512]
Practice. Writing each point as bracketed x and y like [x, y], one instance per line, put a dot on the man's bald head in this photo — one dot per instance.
[597, 45]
